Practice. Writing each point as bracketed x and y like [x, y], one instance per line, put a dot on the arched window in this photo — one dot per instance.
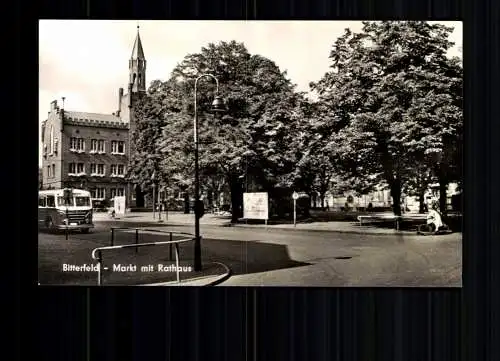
[139, 81]
[133, 78]
[51, 139]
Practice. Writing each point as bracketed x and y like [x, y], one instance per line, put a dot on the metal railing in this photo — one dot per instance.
[97, 252]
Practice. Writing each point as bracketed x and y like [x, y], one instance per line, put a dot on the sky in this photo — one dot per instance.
[86, 61]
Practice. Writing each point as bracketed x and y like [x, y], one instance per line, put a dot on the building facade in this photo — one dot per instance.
[92, 151]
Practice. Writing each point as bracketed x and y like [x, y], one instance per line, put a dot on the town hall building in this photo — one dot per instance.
[92, 151]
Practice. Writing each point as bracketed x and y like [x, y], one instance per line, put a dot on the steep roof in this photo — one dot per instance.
[137, 51]
[93, 119]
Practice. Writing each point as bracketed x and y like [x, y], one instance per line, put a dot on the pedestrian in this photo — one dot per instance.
[434, 219]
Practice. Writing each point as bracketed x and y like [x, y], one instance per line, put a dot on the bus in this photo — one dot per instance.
[69, 209]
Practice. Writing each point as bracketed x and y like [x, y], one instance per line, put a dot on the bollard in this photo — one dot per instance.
[112, 237]
[170, 247]
[136, 239]
[67, 232]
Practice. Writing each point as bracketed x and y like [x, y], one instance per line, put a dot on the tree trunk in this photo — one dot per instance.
[210, 198]
[236, 199]
[443, 186]
[322, 197]
[421, 202]
[186, 203]
[314, 199]
[396, 196]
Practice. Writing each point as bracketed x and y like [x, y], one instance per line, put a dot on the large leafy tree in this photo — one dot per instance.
[373, 92]
[151, 114]
[253, 136]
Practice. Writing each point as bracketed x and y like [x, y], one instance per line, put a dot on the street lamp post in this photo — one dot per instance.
[153, 179]
[159, 203]
[217, 107]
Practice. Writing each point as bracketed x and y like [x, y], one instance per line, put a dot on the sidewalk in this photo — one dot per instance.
[177, 218]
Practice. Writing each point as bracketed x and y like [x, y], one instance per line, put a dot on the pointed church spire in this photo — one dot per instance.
[137, 52]
[137, 67]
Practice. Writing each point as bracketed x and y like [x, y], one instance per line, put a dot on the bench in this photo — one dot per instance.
[375, 219]
[379, 219]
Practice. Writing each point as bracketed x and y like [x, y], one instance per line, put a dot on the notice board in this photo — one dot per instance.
[119, 206]
[256, 205]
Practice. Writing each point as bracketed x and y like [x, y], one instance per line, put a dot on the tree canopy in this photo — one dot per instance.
[391, 100]
[388, 114]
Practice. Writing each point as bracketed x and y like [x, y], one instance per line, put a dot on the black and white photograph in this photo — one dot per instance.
[250, 153]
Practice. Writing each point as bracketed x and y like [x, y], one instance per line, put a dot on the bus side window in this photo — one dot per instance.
[41, 201]
[51, 201]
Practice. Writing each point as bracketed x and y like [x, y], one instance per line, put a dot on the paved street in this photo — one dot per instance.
[268, 257]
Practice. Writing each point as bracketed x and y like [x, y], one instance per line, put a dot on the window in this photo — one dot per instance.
[51, 201]
[97, 146]
[53, 170]
[117, 192]
[76, 168]
[98, 193]
[117, 170]
[49, 171]
[77, 144]
[51, 139]
[100, 146]
[117, 147]
[65, 202]
[97, 169]
[82, 201]
[93, 146]
[41, 201]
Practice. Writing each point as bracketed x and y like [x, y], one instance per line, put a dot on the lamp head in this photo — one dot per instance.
[218, 106]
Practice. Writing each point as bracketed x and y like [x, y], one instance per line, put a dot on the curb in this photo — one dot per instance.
[269, 228]
[220, 278]
[274, 228]
[399, 233]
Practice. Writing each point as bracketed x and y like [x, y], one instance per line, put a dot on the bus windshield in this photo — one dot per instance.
[82, 201]
[76, 201]
[65, 202]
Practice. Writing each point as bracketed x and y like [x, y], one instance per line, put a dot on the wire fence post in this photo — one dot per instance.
[177, 262]
[99, 265]
[170, 247]
[112, 236]
[136, 239]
